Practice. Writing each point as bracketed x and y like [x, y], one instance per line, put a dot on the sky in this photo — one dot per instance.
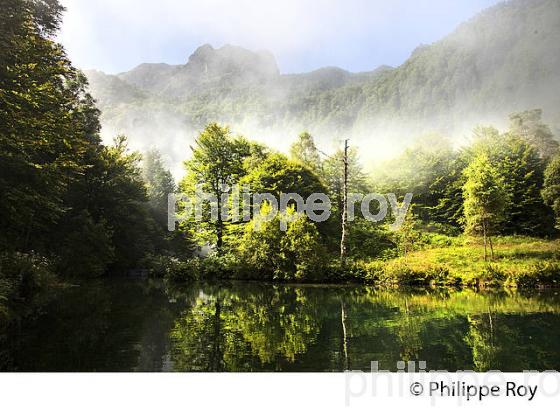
[357, 35]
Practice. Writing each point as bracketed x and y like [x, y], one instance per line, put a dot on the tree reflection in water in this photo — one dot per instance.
[125, 325]
[248, 327]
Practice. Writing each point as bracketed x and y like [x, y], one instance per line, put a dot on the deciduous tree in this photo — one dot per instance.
[484, 199]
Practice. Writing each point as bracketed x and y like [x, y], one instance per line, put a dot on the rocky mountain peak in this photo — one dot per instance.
[229, 60]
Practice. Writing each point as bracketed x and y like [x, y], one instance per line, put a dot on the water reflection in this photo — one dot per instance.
[145, 326]
[245, 329]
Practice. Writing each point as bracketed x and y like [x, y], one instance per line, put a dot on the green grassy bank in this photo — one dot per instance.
[517, 262]
[522, 262]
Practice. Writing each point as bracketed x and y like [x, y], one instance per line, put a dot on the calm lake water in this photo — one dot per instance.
[139, 325]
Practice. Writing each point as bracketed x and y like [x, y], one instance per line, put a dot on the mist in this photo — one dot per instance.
[501, 61]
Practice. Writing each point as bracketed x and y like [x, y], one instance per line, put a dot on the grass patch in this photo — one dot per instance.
[518, 262]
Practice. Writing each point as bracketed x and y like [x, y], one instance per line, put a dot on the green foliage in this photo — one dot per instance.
[74, 206]
[220, 160]
[332, 175]
[407, 235]
[55, 175]
[529, 126]
[221, 327]
[212, 267]
[296, 254]
[543, 274]
[87, 249]
[217, 164]
[368, 240]
[520, 262]
[551, 187]
[306, 153]
[113, 192]
[276, 174]
[398, 273]
[21, 275]
[484, 197]
[428, 169]
[403, 275]
[67, 198]
[217, 158]
[47, 122]
[159, 184]
[176, 270]
[522, 173]
[495, 183]
[520, 168]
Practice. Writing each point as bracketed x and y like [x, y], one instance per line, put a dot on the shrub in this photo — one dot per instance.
[543, 274]
[353, 271]
[401, 273]
[21, 275]
[213, 266]
[172, 268]
[294, 254]
[491, 276]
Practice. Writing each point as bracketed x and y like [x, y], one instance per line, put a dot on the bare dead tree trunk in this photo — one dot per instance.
[219, 223]
[346, 365]
[344, 206]
[484, 234]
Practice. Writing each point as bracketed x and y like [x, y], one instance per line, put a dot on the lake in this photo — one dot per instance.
[142, 325]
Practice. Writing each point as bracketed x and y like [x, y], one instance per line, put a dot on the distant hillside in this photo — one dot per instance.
[505, 59]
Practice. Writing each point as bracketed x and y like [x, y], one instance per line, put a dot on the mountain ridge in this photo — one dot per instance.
[502, 60]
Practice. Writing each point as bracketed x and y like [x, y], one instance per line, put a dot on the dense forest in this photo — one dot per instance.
[484, 214]
[70, 205]
[504, 184]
